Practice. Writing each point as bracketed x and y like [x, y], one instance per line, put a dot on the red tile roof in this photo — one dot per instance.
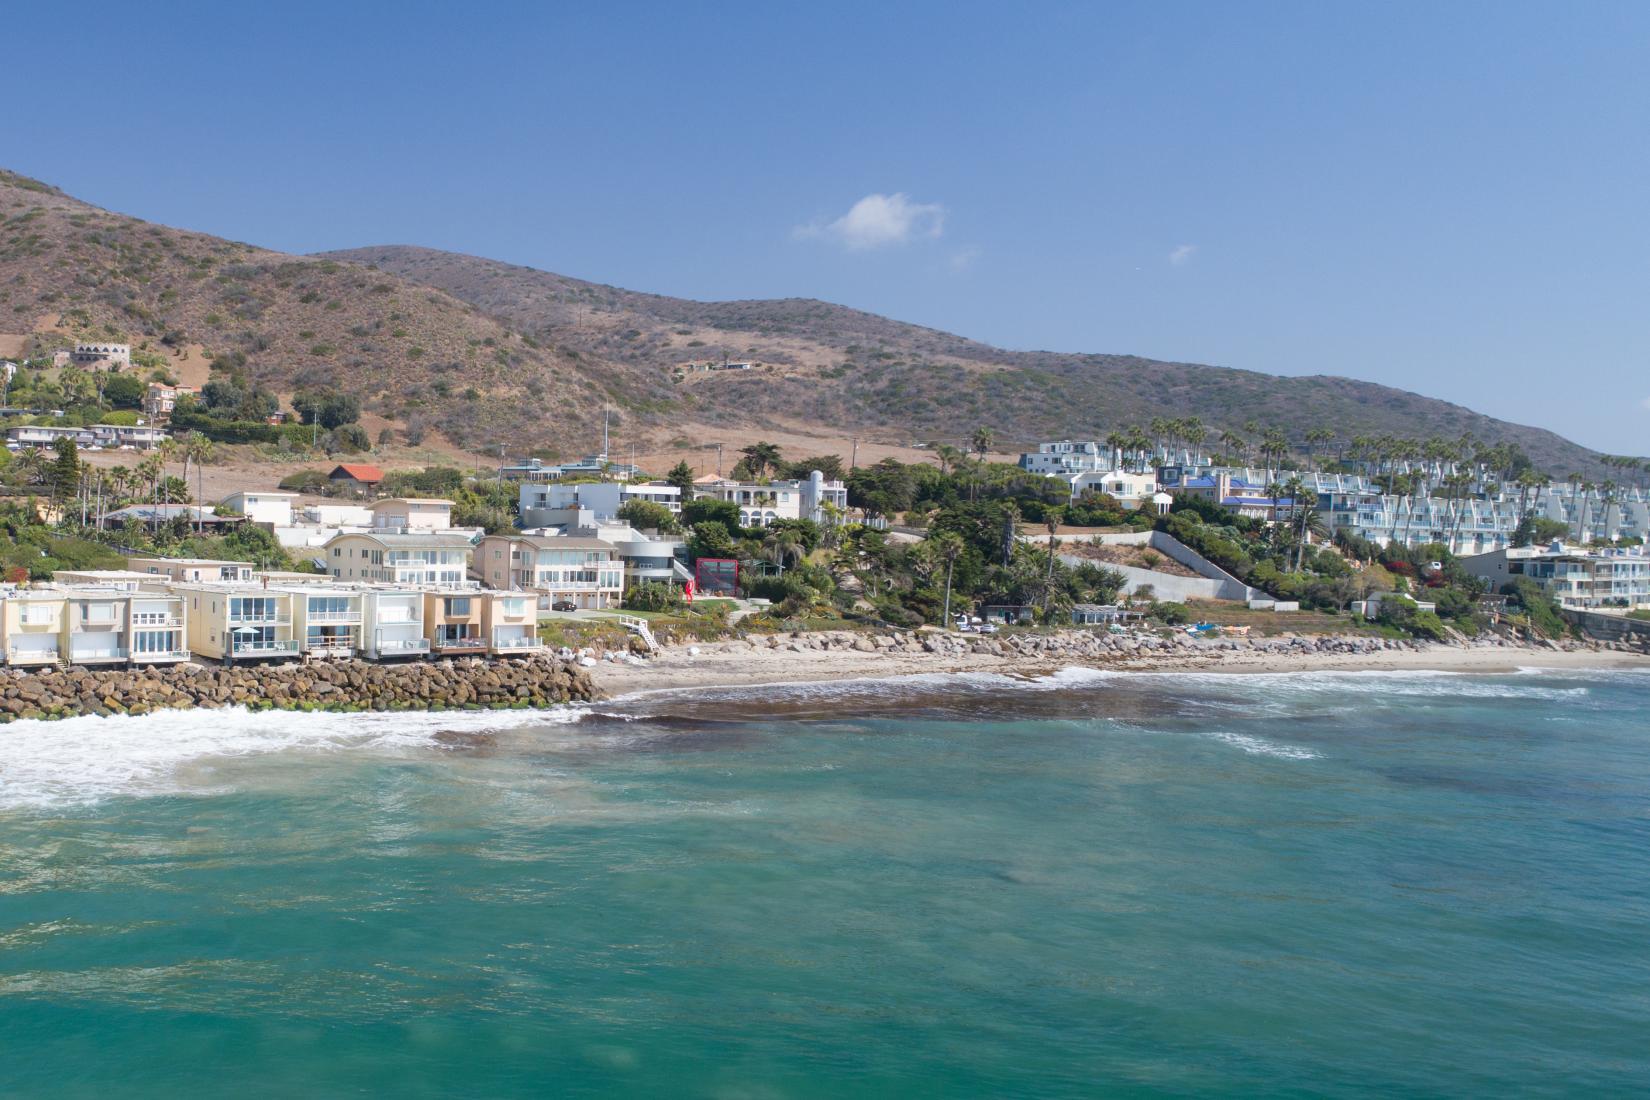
[357, 473]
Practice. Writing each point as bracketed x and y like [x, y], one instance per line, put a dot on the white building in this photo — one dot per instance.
[763, 502]
[1571, 576]
[271, 506]
[604, 498]
[1130, 488]
[1069, 456]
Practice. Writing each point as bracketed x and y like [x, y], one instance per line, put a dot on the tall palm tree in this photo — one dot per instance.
[981, 439]
[1051, 520]
[199, 448]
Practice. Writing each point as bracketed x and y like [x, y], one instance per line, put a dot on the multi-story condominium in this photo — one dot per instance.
[1069, 456]
[239, 622]
[326, 621]
[392, 623]
[91, 626]
[1573, 577]
[585, 572]
[267, 506]
[762, 503]
[510, 624]
[604, 498]
[33, 625]
[399, 557]
[412, 513]
[453, 622]
[192, 570]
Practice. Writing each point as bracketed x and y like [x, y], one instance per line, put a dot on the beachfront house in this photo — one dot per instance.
[453, 622]
[392, 624]
[510, 622]
[399, 557]
[585, 572]
[238, 622]
[603, 498]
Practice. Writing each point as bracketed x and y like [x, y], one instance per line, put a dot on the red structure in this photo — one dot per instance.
[716, 577]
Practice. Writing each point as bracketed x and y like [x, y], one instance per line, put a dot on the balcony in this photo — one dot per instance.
[333, 617]
[97, 654]
[254, 618]
[517, 644]
[159, 655]
[18, 656]
[153, 621]
[466, 645]
[329, 649]
[402, 647]
[256, 648]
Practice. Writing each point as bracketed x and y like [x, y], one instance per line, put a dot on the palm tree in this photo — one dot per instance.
[1234, 443]
[1051, 520]
[948, 456]
[948, 546]
[199, 448]
[981, 439]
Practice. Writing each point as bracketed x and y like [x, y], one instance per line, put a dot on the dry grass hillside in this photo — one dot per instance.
[830, 365]
[417, 357]
[486, 354]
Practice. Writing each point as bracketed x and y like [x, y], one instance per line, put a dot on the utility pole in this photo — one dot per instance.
[605, 414]
[853, 462]
[718, 460]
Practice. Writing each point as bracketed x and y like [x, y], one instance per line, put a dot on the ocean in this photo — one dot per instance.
[1315, 884]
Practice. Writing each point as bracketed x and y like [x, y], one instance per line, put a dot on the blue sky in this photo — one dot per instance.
[1450, 198]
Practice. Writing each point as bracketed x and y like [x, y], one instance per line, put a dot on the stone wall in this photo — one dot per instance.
[465, 684]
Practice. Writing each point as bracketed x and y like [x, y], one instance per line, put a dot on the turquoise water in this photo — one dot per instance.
[1329, 884]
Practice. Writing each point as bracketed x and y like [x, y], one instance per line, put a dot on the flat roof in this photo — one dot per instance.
[407, 538]
[191, 561]
[411, 500]
[558, 542]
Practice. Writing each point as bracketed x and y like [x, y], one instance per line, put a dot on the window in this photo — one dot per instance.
[459, 605]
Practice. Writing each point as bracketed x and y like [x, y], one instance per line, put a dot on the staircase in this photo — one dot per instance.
[640, 628]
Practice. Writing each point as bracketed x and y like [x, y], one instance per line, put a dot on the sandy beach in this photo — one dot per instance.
[739, 663]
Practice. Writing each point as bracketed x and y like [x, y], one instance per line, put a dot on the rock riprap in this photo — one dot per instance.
[464, 684]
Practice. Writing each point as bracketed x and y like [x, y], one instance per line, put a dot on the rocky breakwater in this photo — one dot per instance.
[1097, 647]
[465, 684]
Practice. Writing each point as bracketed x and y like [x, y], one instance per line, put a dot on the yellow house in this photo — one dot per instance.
[399, 557]
[239, 622]
[33, 626]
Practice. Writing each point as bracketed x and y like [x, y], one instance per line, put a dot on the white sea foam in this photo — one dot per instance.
[77, 761]
[1259, 746]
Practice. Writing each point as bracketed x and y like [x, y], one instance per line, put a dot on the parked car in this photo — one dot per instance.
[564, 605]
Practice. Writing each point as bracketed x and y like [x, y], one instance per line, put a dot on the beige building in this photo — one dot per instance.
[585, 572]
[510, 623]
[453, 622]
[193, 570]
[409, 558]
[91, 626]
[239, 622]
[412, 513]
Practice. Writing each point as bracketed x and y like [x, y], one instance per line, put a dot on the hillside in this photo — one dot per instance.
[490, 354]
[832, 365]
[416, 356]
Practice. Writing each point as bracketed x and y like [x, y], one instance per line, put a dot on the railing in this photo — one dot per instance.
[329, 649]
[156, 620]
[517, 643]
[461, 643]
[160, 655]
[414, 645]
[333, 617]
[262, 647]
[108, 654]
[14, 654]
[274, 618]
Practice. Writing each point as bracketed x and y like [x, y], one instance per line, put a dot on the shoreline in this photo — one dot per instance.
[740, 664]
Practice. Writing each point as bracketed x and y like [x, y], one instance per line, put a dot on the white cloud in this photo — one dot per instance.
[964, 258]
[877, 221]
[1180, 253]
[1647, 402]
